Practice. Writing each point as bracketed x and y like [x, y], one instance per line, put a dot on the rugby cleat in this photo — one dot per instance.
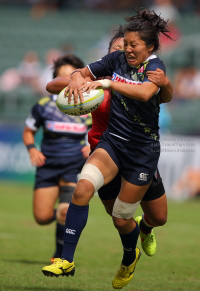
[59, 268]
[125, 274]
[148, 241]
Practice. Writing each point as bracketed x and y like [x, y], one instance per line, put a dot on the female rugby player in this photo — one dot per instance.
[130, 143]
[154, 202]
[62, 155]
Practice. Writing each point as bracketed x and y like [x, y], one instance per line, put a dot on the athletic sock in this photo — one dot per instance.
[60, 229]
[129, 242]
[76, 220]
[145, 225]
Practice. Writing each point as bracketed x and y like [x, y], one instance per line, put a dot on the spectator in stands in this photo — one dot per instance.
[10, 80]
[29, 68]
[186, 83]
[169, 12]
[46, 72]
[188, 186]
[40, 7]
[112, 5]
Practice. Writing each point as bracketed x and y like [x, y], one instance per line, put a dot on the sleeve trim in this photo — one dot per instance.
[91, 71]
[30, 123]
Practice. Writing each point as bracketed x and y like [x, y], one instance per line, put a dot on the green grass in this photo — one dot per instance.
[26, 247]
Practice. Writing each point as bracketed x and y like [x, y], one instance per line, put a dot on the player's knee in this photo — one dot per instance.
[61, 212]
[92, 175]
[66, 193]
[84, 190]
[160, 219]
[123, 213]
[120, 224]
[43, 218]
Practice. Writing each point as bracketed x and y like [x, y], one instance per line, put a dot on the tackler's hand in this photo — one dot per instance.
[100, 84]
[90, 86]
[157, 77]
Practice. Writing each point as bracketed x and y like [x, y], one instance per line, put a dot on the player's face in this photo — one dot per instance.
[65, 70]
[117, 45]
[135, 49]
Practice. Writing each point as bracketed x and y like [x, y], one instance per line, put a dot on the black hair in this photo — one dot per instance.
[68, 59]
[119, 34]
[149, 25]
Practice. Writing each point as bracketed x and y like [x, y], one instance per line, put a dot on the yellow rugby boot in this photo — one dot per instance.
[148, 241]
[125, 274]
[59, 267]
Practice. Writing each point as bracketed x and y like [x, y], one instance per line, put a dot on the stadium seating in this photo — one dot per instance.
[19, 33]
[15, 105]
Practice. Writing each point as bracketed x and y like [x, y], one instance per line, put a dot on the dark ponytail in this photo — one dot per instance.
[149, 25]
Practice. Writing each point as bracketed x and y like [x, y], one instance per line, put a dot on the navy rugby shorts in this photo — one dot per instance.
[137, 163]
[56, 168]
[112, 189]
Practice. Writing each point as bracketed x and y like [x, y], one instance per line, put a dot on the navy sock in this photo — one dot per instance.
[60, 229]
[76, 220]
[145, 228]
[129, 242]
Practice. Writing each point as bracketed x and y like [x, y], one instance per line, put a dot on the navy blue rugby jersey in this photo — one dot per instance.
[130, 119]
[63, 135]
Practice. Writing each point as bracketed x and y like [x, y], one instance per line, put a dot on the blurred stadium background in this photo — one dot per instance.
[34, 32]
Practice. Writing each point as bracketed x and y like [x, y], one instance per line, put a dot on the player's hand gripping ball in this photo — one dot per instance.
[92, 101]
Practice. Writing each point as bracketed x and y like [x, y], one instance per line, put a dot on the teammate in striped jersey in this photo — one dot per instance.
[62, 155]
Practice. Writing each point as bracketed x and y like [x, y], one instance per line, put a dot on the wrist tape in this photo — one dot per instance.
[105, 83]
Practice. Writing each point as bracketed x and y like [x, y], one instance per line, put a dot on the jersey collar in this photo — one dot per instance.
[150, 58]
[146, 61]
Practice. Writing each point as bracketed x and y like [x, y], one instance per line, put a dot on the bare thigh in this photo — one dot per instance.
[43, 203]
[84, 190]
[156, 210]
[131, 193]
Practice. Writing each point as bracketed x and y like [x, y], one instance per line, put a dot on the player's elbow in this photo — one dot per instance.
[169, 99]
[146, 96]
[166, 99]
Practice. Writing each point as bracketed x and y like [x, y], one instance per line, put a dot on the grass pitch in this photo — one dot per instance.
[26, 247]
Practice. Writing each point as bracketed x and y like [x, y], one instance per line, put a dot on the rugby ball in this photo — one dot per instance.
[91, 102]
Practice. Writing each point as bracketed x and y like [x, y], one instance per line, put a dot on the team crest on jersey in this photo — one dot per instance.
[142, 70]
[134, 76]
